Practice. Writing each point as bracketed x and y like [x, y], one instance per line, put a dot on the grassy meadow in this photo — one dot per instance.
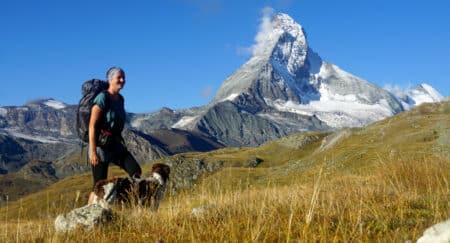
[385, 182]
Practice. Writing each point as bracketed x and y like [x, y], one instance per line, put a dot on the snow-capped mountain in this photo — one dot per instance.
[423, 93]
[287, 75]
[43, 120]
[286, 87]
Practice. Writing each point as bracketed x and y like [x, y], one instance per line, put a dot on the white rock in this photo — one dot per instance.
[86, 217]
[438, 233]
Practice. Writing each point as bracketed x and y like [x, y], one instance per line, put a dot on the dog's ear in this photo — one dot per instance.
[162, 169]
[166, 169]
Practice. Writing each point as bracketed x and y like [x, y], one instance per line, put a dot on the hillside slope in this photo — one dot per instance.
[386, 181]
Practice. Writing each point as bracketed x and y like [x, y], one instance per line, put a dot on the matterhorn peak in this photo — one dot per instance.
[286, 75]
[285, 87]
[275, 29]
[281, 43]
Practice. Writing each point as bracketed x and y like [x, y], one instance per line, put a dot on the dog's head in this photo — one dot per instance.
[161, 170]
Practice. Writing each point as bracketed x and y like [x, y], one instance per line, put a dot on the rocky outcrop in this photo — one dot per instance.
[438, 233]
[15, 152]
[232, 124]
[185, 171]
[141, 147]
[86, 217]
[40, 118]
[10, 151]
[162, 119]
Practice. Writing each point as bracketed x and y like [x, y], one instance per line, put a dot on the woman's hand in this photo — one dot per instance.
[94, 158]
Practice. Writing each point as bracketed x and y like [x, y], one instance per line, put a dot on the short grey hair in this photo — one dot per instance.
[112, 71]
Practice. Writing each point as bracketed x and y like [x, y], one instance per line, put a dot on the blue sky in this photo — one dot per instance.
[176, 53]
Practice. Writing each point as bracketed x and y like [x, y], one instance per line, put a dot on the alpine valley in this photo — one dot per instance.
[284, 88]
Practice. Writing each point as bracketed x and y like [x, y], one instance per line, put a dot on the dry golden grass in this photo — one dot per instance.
[395, 202]
[386, 182]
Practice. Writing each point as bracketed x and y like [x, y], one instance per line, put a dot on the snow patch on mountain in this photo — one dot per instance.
[55, 104]
[435, 95]
[17, 134]
[3, 111]
[136, 122]
[184, 121]
[337, 110]
[424, 93]
[409, 98]
[231, 97]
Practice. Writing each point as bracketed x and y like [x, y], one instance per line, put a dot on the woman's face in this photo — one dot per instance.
[118, 81]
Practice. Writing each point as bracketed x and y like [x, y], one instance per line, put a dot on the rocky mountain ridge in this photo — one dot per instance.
[284, 88]
[45, 130]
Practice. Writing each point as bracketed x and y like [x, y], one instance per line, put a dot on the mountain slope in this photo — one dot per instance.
[423, 132]
[45, 130]
[44, 120]
[384, 182]
[34, 176]
[15, 152]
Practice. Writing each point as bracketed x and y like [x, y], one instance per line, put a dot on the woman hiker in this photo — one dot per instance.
[107, 121]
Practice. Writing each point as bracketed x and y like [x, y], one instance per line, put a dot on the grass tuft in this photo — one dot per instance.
[395, 203]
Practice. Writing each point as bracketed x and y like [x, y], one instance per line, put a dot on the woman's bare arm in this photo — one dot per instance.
[96, 113]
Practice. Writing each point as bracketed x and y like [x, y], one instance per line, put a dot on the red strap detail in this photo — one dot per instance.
[106, 132]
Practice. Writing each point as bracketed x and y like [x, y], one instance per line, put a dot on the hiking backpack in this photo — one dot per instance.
[89, 91]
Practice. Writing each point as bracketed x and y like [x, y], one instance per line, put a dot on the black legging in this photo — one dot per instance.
[118, 155]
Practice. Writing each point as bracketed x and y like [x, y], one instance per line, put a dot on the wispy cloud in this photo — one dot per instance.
[397, 90]
[265, 28]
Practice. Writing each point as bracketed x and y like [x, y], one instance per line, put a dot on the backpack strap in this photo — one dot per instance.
[103, 125]
[108, 102]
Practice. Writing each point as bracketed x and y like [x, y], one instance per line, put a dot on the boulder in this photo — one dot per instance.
[253, 162]
[86, 217]
[438, 233]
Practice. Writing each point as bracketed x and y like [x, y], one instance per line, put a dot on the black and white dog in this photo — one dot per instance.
[146, 192]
